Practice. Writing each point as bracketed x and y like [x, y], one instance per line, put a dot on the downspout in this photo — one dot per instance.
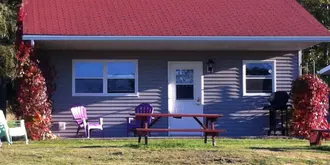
[300, 54]
[32, 43]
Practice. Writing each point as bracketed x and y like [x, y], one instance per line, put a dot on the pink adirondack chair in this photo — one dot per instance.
[80, 116]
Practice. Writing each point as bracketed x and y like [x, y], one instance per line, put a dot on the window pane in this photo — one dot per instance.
[121, 85]
[184, 76]
[259, 85]
[262, 69]
[89, 85]
[88, 69]
[184, 92]
[121, 69]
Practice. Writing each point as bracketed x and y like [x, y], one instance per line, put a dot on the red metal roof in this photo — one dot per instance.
[169, 18]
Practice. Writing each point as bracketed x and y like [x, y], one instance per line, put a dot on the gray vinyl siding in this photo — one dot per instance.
[243, 115]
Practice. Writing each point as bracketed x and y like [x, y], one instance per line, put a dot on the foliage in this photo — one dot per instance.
[32, 98]
[320, 53]
[7, 61]
[33, 103]
[7, 37]
[311, 103]
[8, 18]
[319, 9]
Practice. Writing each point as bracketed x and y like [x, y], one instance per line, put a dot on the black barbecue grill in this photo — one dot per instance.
[278, 113]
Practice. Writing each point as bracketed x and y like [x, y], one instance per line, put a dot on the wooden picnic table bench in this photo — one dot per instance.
[208, 128]
[316, 136]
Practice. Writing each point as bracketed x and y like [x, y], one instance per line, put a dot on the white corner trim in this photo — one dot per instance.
[300, 56]
[202, 86]
[178, 38]
[244, 77]
[169, 94]
[104, 78]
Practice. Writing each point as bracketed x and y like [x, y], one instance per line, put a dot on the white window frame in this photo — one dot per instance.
[273, 77]
[105, 78]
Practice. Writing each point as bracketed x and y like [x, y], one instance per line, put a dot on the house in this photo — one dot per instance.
[187, 56]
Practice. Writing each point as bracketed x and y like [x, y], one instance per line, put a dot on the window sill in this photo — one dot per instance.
[256, 94]
[106, 95]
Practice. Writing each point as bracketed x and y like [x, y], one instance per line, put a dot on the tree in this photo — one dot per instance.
[8, 19]
[33, 101]
[318, 54]
[28, 74]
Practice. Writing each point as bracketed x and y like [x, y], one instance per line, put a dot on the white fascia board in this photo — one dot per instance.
[324, 70]
[178, 38]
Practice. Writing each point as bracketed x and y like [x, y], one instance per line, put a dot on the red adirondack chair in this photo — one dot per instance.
[80, 116]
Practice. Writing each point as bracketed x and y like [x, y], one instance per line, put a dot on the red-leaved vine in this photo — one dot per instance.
[33, 102]
[310, 105]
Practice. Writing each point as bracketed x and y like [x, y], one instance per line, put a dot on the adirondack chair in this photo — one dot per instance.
[18, 130]
[132, 123]
[80, 116]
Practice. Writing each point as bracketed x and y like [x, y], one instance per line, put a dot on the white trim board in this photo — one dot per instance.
[178, 38]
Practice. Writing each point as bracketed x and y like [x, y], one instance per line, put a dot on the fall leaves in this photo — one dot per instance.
[310, 105]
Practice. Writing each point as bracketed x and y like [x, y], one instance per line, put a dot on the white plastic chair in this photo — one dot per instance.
[18, 130]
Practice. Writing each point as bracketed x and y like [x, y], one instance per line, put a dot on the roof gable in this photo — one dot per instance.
[169, 18]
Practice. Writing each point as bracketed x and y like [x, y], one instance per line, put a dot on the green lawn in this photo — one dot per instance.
[165, 151]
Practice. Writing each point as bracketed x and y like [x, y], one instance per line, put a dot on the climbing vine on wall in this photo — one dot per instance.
[33, 102]
[311, 104]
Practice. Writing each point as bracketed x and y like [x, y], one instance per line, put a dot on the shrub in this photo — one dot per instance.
[33, 103]
[310, 105]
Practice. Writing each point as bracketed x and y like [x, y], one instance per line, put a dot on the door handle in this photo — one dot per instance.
[198, 101]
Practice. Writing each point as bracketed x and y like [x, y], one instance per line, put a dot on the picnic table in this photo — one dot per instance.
[316, 136]
[208, 128]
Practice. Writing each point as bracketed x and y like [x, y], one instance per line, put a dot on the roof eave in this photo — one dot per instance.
[325, 71]
[178, 38]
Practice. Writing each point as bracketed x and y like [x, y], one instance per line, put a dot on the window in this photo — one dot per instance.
[88, 80]
[184, 84]
[105, 78]
[121, 77]
[258, 78]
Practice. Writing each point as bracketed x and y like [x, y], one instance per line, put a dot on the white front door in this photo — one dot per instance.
[185, 94]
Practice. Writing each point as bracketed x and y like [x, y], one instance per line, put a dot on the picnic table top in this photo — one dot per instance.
[321, 130]
[176, 115]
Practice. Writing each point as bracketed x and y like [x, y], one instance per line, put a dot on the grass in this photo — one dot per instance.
[165, 151]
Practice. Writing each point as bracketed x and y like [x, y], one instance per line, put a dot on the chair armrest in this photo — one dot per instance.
[130, 119]
[94, 118]
[89, 119]
[16, 123]
[101, 120]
